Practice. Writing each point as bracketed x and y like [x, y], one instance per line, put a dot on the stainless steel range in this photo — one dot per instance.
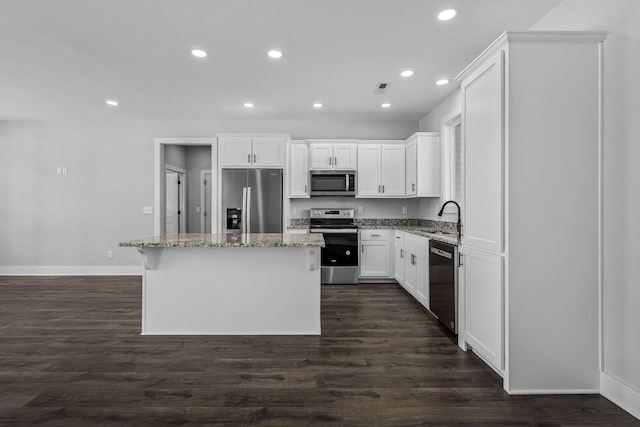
[339, 257]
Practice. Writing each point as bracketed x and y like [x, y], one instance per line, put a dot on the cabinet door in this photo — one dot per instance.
[268, 152]
[234, 152]
[369, 171]
[411, 176]
[482, 136]
[321, 156]
[344, 156]
[481, 287]
[393, 170]
[422, 280]
[398, 264]
[298, 170]
[410, 272]
[375, 259]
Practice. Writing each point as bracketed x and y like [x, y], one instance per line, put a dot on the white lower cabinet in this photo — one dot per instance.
[481, 282]
[376, 255]
[411, 264]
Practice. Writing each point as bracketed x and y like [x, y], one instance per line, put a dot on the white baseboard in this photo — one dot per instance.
[555, 391]
[620, 393]
[33, 270]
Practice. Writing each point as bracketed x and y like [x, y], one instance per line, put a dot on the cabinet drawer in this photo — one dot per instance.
[375, 234]
[398, 238]
[415, 244]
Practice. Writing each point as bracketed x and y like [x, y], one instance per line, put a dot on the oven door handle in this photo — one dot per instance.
[335, 231]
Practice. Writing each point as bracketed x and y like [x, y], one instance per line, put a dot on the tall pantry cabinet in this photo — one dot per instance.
[530, 250]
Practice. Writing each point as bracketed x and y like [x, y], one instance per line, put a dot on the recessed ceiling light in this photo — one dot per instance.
[447, 14]
[406, 73]
[385, 105]
[112, 102]
[442, 82]
[248, 105]
[317, 105]
[275, 54]
[199, 53]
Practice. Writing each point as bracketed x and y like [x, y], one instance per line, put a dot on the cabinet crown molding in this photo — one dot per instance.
[512, 37]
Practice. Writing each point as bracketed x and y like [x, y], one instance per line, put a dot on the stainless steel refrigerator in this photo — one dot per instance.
[252, 200]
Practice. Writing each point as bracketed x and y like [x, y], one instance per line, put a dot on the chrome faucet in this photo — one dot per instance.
[459, 224]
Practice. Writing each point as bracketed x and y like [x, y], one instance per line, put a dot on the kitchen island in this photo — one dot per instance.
[230, 284]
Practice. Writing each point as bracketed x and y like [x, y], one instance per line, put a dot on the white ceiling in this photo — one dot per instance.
[61, 59]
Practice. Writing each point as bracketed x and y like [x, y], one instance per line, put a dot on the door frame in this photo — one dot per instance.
[159, 179]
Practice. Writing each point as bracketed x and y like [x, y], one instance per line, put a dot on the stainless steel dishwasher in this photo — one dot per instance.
[443, 283]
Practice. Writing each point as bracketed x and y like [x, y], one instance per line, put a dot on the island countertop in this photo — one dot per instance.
[209, 240]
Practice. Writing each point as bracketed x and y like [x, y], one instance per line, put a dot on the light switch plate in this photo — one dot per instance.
[359, 209]
[293, 210]
[404, 209]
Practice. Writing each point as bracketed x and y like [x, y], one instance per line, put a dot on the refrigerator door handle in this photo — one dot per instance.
[248, 216]
[244, 210]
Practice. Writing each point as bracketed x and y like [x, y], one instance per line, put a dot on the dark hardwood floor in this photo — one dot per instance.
[71, 354]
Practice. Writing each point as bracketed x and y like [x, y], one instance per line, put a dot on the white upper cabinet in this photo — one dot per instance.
[482, 94]
[423, 165]
[298, 170]
[252, 151]
[381, 170]
[333, 155]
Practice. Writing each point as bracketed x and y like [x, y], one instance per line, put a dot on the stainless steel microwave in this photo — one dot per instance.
[333, 183]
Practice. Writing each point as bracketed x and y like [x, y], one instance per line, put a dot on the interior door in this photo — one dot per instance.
[206, 205]
[172, 200]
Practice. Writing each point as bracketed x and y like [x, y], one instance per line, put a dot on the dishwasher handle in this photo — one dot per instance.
[445, 254]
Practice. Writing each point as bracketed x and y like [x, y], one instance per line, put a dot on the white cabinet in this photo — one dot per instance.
[298, 170]
[481, 276]
[376, 254]
[398, 256]
[531, 146]
[411, 263]
[333, 155]
[251, 151]
[423, 165]
[381, 170]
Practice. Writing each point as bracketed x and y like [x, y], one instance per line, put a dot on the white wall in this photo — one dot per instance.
[620, 380]
[66, 223]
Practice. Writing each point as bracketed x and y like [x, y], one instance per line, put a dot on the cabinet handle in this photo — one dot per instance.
[401, 253]
[330, 161]
[379, 189]
[335, 161]
[248, 158]
[383, 188]
[305, 188]
[413, 259]
[413, 187]
[255, 158]
[362, 248]
[460, 258]
[375, 235]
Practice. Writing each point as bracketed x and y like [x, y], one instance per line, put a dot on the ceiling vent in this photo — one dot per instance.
[382, 88]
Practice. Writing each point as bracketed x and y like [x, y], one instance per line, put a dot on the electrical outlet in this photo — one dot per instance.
[65, 170]
[109, 254]
[59, 170]
[197, 209]
[147, 210]
[359, 209]
[404, 209]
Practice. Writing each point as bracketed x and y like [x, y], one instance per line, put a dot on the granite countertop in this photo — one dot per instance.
[436, 230]
[208, 240]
